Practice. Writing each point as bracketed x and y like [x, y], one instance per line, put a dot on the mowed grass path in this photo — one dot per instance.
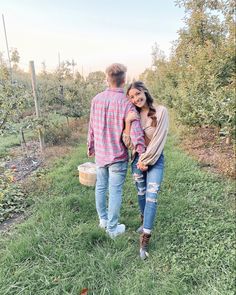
[61, 250]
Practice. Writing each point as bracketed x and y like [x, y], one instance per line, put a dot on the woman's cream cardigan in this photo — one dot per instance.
[156, 145]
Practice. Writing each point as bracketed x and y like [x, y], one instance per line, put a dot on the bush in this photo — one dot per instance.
[57, 133]
[12, 199]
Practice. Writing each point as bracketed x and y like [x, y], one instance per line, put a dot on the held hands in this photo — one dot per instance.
[132, 116]
[141, 166]
[90, 155]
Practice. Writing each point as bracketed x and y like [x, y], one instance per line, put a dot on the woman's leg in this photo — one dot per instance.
[140, 183]
[153, 179]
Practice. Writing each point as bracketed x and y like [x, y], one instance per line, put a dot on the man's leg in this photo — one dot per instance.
[100, 194]
[117, 174]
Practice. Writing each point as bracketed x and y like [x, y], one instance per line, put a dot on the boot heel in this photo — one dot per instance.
[144, 241]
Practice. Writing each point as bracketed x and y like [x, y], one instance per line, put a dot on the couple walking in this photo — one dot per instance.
[119, 122]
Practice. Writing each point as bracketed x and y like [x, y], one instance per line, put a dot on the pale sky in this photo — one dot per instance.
[93, 33]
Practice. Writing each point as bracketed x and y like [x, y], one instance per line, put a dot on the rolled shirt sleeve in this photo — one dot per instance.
[136, 132]
[137, 137]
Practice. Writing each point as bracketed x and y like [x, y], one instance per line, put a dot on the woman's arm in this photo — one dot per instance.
[127, 128]
[132, 116]
[156, 145]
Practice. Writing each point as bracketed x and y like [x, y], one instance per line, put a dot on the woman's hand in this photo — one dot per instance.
[131, 116]
[141, 166]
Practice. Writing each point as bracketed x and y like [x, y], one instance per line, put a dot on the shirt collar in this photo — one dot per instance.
[121, 90]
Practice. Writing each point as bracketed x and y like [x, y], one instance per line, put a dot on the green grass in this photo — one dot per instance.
[7, 142]
[61, 250]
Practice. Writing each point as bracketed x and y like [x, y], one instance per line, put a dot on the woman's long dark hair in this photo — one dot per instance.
[141, 87]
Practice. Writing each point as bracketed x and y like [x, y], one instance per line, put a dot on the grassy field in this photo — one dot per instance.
[61, 250]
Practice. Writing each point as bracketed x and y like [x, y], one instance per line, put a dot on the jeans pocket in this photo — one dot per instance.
[119, 167]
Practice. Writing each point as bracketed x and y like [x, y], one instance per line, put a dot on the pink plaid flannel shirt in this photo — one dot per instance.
[107, 116]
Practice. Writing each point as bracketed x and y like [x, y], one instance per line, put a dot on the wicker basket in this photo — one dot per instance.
[87, 174]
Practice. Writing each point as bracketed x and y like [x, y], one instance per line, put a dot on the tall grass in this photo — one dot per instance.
[61, 250]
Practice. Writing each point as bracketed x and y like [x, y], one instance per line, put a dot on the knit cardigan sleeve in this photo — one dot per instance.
[156, 145]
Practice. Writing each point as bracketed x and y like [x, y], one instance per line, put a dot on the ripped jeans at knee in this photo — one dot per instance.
[148, 187]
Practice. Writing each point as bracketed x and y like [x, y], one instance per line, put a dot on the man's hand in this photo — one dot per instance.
[141, 166]
[90, 155]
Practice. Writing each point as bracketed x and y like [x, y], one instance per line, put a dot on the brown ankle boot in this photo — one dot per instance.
[140, 229]
[144, 241]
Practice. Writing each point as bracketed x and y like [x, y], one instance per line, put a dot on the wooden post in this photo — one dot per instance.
[9, 59]
[36, 101]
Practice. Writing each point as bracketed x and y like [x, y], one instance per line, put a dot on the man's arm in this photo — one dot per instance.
[137, 137]
[135, 130]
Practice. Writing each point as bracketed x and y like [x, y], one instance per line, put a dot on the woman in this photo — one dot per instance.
[147, 169]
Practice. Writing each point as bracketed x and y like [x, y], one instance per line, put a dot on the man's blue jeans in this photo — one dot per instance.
[110, 178]
[148, 186]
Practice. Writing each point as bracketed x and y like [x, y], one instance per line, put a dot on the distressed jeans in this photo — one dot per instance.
[148, 186]
[110, 178]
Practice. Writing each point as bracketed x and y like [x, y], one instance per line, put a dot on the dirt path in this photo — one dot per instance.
[211, 151]
[8, 224]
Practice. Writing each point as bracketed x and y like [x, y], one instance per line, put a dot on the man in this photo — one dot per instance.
[107, 117]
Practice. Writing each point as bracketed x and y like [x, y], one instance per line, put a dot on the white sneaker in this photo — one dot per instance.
[103, 223]
[120, 229]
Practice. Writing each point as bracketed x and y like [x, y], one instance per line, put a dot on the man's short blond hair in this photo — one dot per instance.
[116, 74]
